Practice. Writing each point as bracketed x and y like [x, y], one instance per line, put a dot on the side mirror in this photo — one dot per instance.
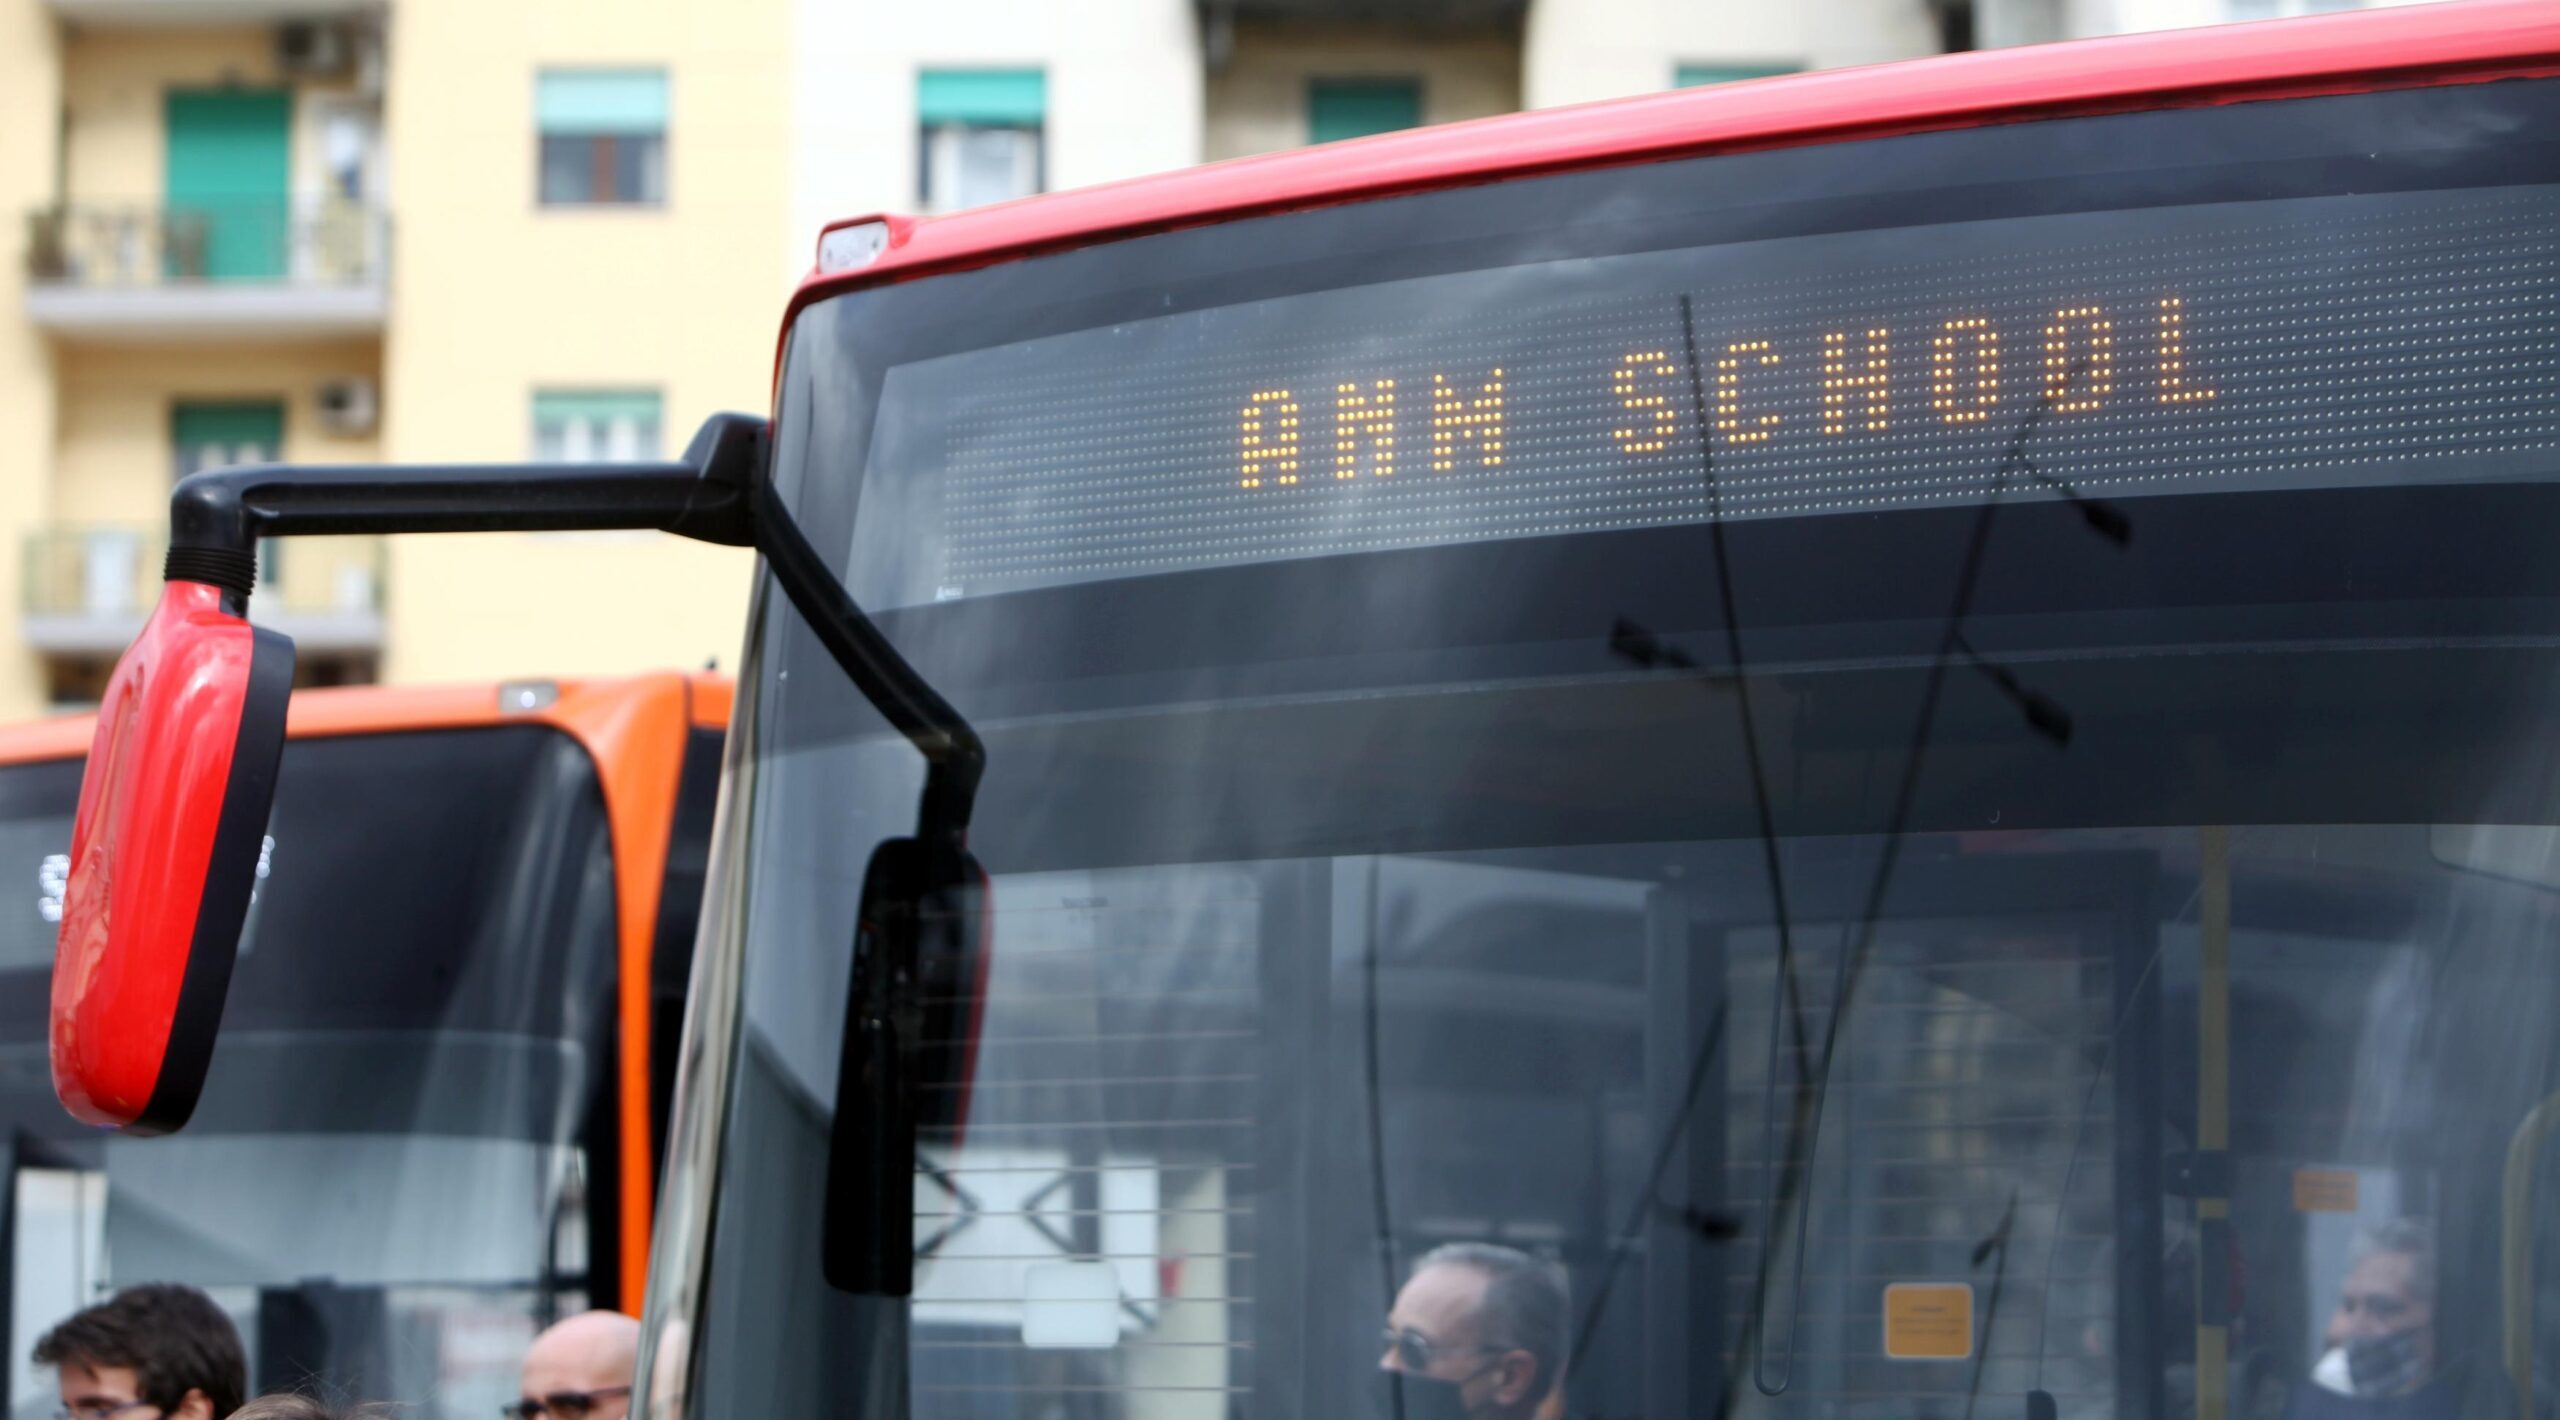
[911, 1025]
[173, 808]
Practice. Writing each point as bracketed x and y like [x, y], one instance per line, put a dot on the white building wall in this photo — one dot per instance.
[1123, 77]
[1580, 50]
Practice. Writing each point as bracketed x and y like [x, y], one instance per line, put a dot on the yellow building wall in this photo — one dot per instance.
[114, 81]
[113, 463]
[30, 99]
[1258, 102]
[494, 297]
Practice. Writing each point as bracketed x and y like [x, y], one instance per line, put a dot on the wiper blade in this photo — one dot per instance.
[2043, 714]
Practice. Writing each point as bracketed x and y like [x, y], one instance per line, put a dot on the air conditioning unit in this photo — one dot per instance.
[313, 49]
[350, 407]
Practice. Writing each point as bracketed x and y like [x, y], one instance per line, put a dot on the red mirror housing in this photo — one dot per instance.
[164, 853]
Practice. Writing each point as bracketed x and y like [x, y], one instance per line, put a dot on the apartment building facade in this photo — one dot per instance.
[346, 230]
[333, 231]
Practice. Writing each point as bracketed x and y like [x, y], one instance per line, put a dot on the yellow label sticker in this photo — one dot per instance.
[1928, 1321]
[2324, 1191]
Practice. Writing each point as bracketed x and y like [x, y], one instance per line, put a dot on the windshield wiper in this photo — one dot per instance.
[2044, 715]
[1636, 644]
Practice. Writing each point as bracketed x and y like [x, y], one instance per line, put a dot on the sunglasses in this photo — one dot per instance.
[560, 1404]
[1415, 1351]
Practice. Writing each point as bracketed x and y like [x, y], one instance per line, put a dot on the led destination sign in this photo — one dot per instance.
[1962, 374]
[2287, 344]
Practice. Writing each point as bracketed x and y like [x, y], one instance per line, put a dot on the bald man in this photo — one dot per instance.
[581, 1369]
[1477, 1333]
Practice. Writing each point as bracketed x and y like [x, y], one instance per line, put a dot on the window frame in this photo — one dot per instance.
[601, 148]
[653, 446]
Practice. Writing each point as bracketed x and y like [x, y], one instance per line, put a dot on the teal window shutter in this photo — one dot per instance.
[578, 425]
[1690, 76]
[257, 424]
[982, 98]
[601, 101]
[1355, 108]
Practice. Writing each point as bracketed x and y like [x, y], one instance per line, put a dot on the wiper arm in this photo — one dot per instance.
[2046, 716]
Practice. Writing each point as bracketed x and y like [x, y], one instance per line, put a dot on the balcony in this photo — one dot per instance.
[89, 587]
[219, 271]
[166, 14]
[1409, 16]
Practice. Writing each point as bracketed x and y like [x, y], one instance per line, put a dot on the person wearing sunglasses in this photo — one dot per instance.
[158, 1351]
[1477, 1332]
[580, 1369]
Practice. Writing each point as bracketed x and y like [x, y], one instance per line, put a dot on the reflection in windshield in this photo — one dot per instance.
[1172, 1126]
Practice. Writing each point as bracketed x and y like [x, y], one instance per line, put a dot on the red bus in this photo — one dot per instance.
[1874, 744]
[430, 1126]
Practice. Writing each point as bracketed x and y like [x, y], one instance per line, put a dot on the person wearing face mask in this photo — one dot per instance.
[1476, 1333]
[2381, 1362]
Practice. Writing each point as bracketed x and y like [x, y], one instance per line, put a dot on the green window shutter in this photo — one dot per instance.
[556, 407]
[1690, 76]
[601, 101]
[1355, 108]
[989, 98]
[596, 424]
[229, 424]
[229, 165]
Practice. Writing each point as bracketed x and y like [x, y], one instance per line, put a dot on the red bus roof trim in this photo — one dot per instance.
[2458, 41]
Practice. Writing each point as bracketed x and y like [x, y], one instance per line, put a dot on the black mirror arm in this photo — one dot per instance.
[217, 517]
[955, 758]
[715, 493]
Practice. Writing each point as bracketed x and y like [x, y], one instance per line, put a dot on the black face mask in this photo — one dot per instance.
[2387, 1365]
[1405, 1396]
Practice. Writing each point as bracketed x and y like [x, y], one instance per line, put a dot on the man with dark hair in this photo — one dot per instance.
[153, 1352]
[2382, 1362]
[1478, 1331]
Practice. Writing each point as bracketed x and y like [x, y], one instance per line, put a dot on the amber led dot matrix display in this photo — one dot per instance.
[1364, 417]
[1454, 415]
[1657, 420]
[2087, 387]
[1839, 386]
[1270, 438]
[2174, 388]
[1730, 420]
[1947, 392]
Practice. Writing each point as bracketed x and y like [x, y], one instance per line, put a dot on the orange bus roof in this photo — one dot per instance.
[379, 709]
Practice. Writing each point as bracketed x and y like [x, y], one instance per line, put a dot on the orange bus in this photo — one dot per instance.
[434, 1122]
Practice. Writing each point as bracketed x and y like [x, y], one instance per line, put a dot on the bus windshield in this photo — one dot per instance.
[1907, 778]
[393, 1174]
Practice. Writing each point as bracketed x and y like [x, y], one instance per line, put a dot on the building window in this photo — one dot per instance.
[1355, 108]
[604, 136]
[595, 426]
[217, 434]
[1690, 76]
[207, 434]
[981, 135]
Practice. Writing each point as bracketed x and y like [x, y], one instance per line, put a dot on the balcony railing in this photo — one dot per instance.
[312, 244]
[89, 587]
[218, 267]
